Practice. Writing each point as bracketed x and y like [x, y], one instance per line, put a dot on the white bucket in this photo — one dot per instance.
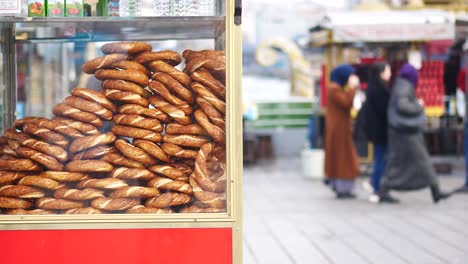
[313, 163]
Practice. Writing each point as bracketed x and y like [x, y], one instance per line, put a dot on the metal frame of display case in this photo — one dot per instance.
[171, 28]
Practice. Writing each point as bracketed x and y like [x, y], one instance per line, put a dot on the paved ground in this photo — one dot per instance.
[289, 219]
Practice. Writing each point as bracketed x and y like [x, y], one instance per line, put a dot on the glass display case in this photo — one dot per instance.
[123, 129]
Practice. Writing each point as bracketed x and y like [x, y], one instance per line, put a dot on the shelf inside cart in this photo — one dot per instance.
[115, 28]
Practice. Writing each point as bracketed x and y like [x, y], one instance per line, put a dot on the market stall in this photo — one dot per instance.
[395, 36]
[121, 139]
[421, 37]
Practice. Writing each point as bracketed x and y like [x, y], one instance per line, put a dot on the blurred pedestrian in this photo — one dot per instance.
[341, 159]
[461, 80]
[408, 165]
[377, 97]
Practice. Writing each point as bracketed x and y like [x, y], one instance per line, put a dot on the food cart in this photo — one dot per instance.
[121, 139]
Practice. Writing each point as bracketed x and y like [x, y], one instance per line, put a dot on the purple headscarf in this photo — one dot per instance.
[409, 73]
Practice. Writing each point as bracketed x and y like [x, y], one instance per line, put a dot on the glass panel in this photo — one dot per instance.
[116, 127]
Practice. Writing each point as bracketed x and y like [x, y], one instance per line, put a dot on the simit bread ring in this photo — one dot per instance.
[169, 172]
[3, 140]
[9, 153]
[41, 182]
[195, 209]
[29, 212]
[132, 173]
[83, 143]
[152, 149]
[53, 125]
[119, 160]
[130, 47]
[55, 151]
[192, 129]
[88, 106]
[62, 109]
[57, 204]
[10, 176]
[134, 153]
[94, 96]
[179, 152]
[161, 66]
[215, 131]
[152, 124]
[169, 199]
[161, 89]
[41, 158]
[84, 128]
[205, 78]
[207, 64]
[19, 165]
[135, 191]
[21, 191]
[187, 170]
[95, 152]
[126, 97]
[133, 132]
[215, 116]
[114, 204]
[201, 172]
[141, 209]
[125, 86]
[148, 112]
[186, 140]
[64, 176]
[174, 86]
[215, 200]
[89, 166]
[45, 134]
[79, 195]
[171, 57]
[14, 203]
[7, 157]
[171, 185]
[13, 144]
[93, 65]
[106, 183]
[173, 111]
[137, 77]
[129, 65]
[209, 96]
[86, 210]
[217, 55]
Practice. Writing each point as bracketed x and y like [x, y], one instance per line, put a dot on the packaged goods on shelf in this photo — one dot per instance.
[56, 8]
[37, 8]
[74, 8]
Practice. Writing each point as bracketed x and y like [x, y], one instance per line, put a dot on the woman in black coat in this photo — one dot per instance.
[377, 97]
[408, 165]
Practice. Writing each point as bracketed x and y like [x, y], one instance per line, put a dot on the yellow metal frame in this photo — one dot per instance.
[231, 219]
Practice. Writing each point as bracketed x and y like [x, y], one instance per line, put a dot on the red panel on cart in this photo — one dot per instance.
[129, 246]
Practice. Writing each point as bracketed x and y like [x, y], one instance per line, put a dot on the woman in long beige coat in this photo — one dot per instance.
[341, 159]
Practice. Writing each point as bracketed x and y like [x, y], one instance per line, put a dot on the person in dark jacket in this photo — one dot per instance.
[408, 164]
[341, 159]
[377, 97]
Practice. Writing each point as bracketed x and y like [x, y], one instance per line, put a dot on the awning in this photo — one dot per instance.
[390, 26]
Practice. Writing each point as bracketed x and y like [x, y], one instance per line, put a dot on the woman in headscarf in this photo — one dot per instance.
[408, 165]
[377, 97]
[341, 160]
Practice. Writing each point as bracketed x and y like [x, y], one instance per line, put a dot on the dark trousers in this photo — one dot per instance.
[466, 152]
[380, 159]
